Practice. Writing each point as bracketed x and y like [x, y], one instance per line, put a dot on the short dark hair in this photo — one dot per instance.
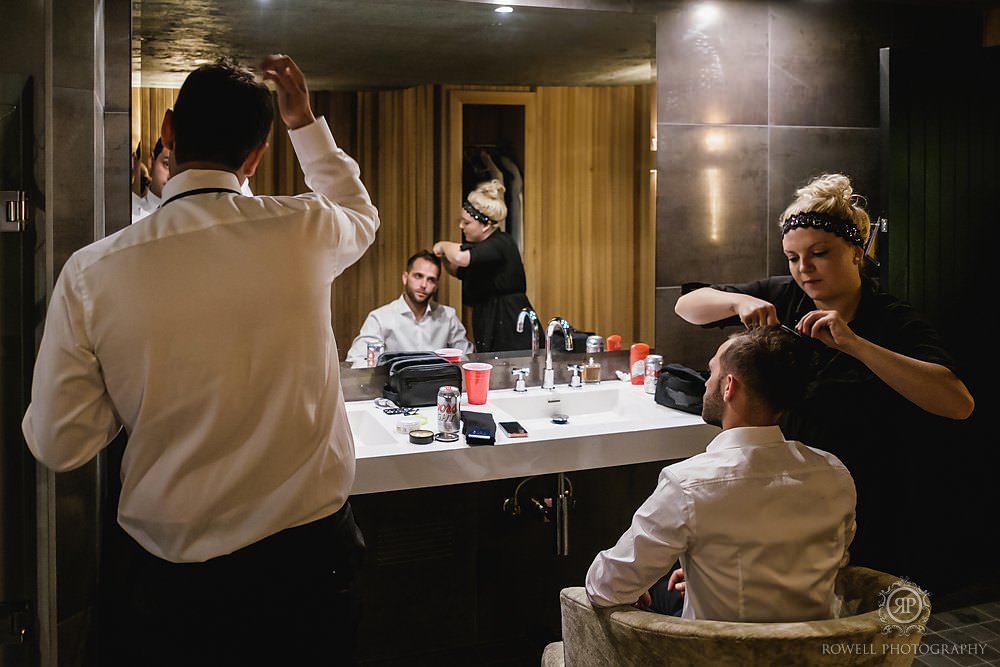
[423, 254]
[774, 364]
[221, 114]
[158, 148]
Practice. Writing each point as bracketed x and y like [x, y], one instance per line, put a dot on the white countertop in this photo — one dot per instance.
[610, 424]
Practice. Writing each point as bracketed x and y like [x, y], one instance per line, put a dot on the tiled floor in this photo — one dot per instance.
[964, 636]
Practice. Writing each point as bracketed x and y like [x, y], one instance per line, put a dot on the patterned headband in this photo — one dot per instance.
[476, 214]
[828, 223]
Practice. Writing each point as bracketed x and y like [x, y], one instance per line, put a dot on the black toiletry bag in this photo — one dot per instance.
[414, 379]
[680, 388]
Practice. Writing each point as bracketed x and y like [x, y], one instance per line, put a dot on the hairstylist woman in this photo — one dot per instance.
[883, 378]
[489, 266]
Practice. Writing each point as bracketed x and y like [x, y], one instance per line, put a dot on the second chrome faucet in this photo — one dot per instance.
[548, 380]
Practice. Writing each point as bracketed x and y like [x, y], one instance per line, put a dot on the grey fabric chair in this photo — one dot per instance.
[625, 636]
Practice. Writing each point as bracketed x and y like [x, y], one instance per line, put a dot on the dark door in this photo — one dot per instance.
[18, 639]
[941, 125]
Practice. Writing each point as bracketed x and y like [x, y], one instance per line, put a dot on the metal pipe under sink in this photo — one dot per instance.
[562, 516]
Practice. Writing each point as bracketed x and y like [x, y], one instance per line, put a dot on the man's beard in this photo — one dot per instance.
[711, 408]
[414, 297]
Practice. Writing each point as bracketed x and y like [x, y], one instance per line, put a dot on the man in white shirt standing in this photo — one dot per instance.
[761, 524]
[414, 322]
[159, 172]
[205, 333]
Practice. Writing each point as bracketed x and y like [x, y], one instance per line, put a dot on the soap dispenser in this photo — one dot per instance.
[591, 372]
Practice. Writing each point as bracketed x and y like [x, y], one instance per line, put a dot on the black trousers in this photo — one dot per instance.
[289, 599]
[662, 601]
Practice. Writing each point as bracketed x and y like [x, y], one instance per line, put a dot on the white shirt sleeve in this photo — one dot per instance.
[71, 417]
[658, 535]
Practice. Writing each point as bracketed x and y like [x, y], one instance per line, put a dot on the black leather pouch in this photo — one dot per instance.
[413, 380]
[680, 388]
[479, 428]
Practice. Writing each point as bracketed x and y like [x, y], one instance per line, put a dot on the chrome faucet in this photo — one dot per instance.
[529, 314]
[549, 375]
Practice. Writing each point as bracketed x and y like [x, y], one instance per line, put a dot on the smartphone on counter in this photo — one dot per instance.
[513, 430]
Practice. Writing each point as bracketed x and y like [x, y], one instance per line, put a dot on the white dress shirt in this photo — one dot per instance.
[395, 325]
[205, 331]
[143, 206]
[761, 526]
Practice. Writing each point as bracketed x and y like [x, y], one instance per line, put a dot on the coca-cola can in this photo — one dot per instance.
[654, 363]
[449, 417]
[375, 350]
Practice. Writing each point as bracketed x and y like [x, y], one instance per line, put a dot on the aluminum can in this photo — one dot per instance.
[448, 414]
[375, 350]
[654, 363]
[595, 344]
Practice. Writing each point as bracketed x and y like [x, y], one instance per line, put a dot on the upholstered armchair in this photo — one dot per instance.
[625, 636]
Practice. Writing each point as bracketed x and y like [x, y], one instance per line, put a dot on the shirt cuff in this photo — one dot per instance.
[313, 141]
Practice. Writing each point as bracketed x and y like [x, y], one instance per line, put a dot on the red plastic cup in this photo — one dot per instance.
[452, 354]
[477, 381]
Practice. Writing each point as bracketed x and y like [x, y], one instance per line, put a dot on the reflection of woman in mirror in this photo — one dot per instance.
[489, 266]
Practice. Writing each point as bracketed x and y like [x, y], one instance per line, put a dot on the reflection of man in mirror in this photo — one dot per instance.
[159, 172]
[413, 322]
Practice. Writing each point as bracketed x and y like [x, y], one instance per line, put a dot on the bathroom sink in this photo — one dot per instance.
[367, 429]
[605, 404]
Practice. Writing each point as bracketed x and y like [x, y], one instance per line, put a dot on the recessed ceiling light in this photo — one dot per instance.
[503, 9]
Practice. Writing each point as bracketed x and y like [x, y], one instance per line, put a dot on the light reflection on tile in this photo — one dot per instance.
[711, 204]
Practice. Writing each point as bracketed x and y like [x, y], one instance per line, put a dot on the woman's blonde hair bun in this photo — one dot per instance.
[488, 199]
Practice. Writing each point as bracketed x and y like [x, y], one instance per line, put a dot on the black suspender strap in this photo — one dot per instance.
[199, 191]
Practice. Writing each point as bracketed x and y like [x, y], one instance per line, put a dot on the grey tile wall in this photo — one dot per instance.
[711, 201]
[824, 65]
[679, 341]
[712, 68]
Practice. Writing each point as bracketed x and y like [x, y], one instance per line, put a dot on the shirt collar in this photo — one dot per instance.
[194, 179]
[403, 308]
[746, 436]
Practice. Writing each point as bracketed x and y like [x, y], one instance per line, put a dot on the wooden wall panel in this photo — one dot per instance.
[396, 148]
[590, 254]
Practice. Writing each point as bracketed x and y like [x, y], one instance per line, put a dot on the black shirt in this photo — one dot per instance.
[494, 285]
[884, 440]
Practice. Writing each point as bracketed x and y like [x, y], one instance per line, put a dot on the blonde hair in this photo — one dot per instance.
[488, 200]
[833, 194]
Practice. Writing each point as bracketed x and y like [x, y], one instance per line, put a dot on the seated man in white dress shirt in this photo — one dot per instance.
[761, 524]
[414, 322]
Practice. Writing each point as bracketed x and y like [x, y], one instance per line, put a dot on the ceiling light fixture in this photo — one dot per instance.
[504, 9]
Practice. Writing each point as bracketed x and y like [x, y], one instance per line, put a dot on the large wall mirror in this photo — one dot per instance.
[414, 88]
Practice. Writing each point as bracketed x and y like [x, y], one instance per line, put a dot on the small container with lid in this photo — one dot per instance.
[595, 344]
[591, 372]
